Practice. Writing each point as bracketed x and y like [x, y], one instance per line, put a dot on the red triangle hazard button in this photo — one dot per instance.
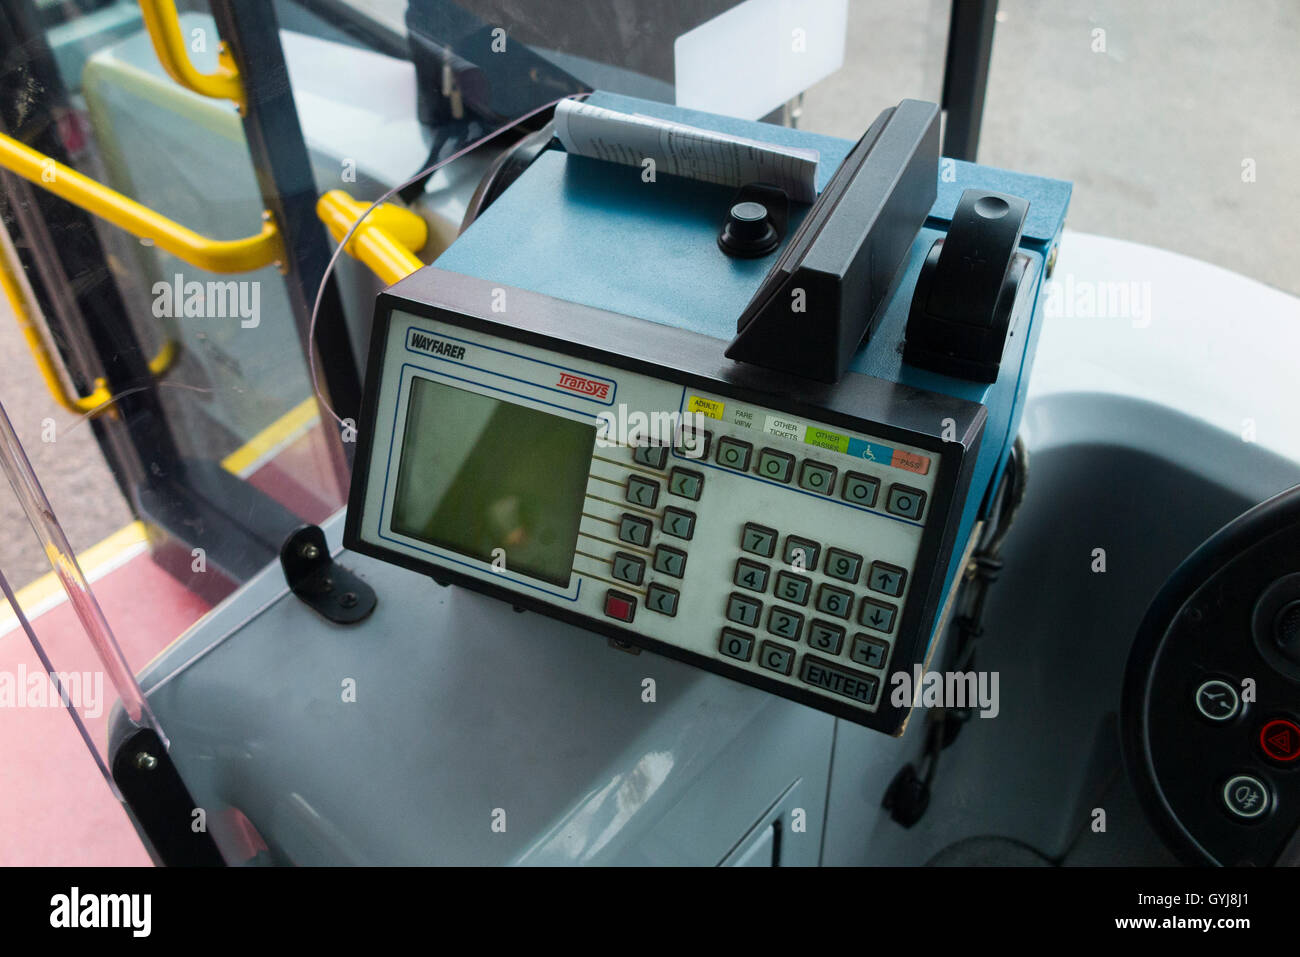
[1279, 739]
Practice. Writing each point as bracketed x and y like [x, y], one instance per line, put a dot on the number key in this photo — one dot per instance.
[843, 565]
[758, 540]
[751, 575]
[792, 588]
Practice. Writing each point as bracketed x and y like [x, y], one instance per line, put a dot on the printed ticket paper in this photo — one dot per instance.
[682, 150]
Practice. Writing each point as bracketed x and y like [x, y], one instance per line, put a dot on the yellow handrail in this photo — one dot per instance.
[100, 399]
[386, 242]
[214, 255]
[163, 23]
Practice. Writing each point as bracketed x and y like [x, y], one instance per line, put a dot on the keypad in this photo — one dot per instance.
[670, 561]
[846, 566]
[825, 636]
[784, 623]
[886, 578]
[733, 453]
[877, 615]
[744, 610]
[816, 477]
[736, 644]
[678, 522]
[686, 483]
[662, 599]
[834, 601]
[758, 540]
[860, 489]
[774, 657]
[801, 553]
[751, 575]
[634, 529]
[642, 491]
[651, 456]
[905, 501]
[775, 466]
[792, 588]
[629, 568]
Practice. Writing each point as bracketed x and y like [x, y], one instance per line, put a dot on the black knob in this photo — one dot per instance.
[748, 232]
[1286, 631]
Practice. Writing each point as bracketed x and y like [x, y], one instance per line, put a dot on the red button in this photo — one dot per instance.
[1280, 740]
[620, 606]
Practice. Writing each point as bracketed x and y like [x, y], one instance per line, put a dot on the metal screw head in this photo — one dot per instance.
[348, 599]
[145, 761]
[309, 551]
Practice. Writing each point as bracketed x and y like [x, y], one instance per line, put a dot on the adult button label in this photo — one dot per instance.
[1279, 739]
[841, 681]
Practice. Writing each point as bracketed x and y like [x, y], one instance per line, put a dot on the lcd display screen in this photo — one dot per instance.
[492, 480]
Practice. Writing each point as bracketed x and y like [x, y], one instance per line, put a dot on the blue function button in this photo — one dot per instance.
[662, 599]
[642, 491]
[670, 561]
[846, 566]
[629, 568]
[750, 575]
[825, 636]
[905, 501]
[634, 529]
[678, 523]
[776, 466]
[860, 489]
[886, 578]
[744, 610]
[877, 615]
[694, 443]
[834, 601]
[758, 540]
[685, 483]
[784, 623]
[776, 657]
[736, 644]
[733, 453]
[841, 681]
[871, 652]
[792, 588]
[815, 477]
[651, 456]
[801, 554]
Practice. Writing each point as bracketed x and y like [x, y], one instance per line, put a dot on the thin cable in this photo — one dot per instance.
[329, 268]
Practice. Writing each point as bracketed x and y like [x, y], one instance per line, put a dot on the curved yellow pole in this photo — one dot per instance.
[214, 255]
[386, 241]
[163, 24]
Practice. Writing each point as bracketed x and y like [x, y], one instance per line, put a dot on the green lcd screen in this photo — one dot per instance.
[478, 474]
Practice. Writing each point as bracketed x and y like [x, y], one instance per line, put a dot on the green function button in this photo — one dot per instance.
[825, 636]
[834, 601]
[784, 623]
[662, 599]
[815, 477]
[905, 501]
[792, 588]
[758, 540]
[846, 566]
[886, 578]
[841, 681]
[670, 561]
[629, 568]
[801, 554]
[871, 652]
[642, 491]
[751, 575]
[776, 657]
[634, 529]
[744, 610]
[733, 453]
[685, 483]
[736, 644]
[860, 489]
[877, 615]
[776, 466]
[651, 456]
[678, 523]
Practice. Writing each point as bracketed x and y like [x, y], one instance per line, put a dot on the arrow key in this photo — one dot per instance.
[877, 615]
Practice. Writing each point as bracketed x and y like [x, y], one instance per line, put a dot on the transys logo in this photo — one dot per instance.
[594, 388]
